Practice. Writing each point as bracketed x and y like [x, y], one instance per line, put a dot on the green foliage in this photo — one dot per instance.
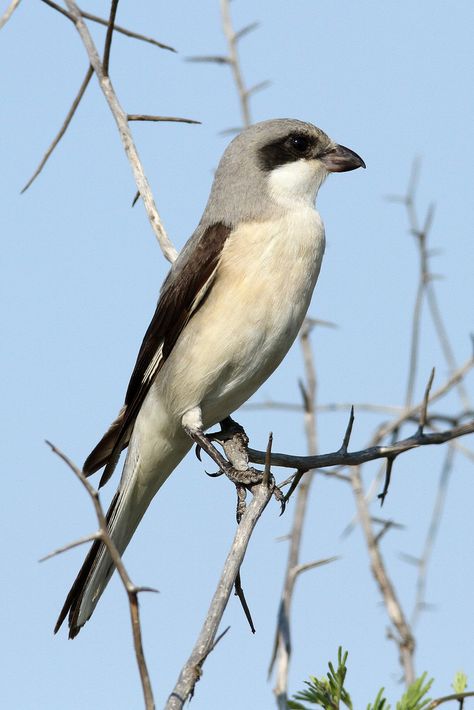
[414, 696]
[329, 692]
[460, 682]
[380, 703]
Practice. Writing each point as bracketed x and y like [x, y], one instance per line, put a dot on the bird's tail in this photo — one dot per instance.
[125, 512]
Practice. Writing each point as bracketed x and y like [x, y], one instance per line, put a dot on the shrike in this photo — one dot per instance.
[228, 312]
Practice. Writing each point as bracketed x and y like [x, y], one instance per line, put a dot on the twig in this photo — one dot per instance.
[121, 119]
[436, 516]
[108, 37]
[191, 671]
[71, 546]
[8, 12]
[171, 119]
[281, 655]
[409, 413]
[117, 28]
[338, 458]
[233, 60]
[63, 128]
[404, 639]
[131, 589]
[448, 698]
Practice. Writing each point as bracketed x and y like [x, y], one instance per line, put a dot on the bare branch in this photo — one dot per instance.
[148, 117]
[63, 128]
[117, 28]
[108, 37]
[131, 589]
[211, 58]
[404, 639]
[448, 698]
[355, 458]
[281, 655]
[233, 59]
[423, 561]
[191, 671]
[121, 119]
[246, 30]
[71, 546]
[8, 12]
[407, 414]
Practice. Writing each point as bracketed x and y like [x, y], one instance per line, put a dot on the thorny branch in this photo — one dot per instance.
[130, 588]
[405, 639]
[281, 655]
[76, 15]
[192, 670]
[8, 12]
[117, 28]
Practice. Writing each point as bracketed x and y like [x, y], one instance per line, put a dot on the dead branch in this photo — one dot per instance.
[405, 640]
[425, 287]
[63, 129]
[108, 37]
[130, 588]
[117, 28]
[120, 117]
[192, 669]
[282, 645]
[338, 458]
[171, 119]
[422, 563]
[233, 60]
[8, 12]
[448, 698]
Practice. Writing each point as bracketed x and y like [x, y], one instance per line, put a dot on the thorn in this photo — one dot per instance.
[424, 407]
[347, 435]
[388, 474]
[268, 453]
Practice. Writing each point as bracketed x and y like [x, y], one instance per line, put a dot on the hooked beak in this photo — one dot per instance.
[340, 159]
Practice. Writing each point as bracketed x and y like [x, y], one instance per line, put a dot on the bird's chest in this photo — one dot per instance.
[275, 266]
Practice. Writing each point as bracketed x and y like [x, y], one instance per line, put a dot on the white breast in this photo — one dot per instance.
[252, 315]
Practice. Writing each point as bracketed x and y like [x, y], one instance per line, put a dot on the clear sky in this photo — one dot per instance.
[80, 273]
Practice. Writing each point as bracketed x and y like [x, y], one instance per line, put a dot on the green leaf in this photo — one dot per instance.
[327, 693]
[460, 682]
[414, 696]
[380, 702]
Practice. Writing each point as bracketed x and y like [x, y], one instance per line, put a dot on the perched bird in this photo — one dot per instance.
[228, 312]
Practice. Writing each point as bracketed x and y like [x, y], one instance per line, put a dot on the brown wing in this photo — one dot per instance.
[183, 292]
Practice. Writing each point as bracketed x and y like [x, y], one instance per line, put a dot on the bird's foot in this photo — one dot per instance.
[235, 466]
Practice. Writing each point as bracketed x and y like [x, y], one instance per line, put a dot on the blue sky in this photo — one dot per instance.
[80, 273]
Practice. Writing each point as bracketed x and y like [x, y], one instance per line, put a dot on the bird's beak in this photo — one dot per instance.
[339, 159]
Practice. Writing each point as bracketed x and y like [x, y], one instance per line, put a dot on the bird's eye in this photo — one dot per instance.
[299, 143]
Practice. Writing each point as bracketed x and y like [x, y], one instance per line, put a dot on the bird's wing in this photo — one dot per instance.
[183, 292]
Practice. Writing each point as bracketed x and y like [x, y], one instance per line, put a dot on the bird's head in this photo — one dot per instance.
[275, 162]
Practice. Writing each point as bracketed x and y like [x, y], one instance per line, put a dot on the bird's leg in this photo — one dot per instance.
[234, 441]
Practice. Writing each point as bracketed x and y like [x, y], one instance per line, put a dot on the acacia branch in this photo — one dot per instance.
[233, 60]
[63, 129]
[8, 12]
[120, 117]
[338, 458]
[191, 671]
[130, 588]
[282, 645]
[117, 28]
[405, 639]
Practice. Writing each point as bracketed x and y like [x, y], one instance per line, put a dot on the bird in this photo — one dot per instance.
[228, 311]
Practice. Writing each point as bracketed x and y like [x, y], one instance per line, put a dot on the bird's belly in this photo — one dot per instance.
[248, 322]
